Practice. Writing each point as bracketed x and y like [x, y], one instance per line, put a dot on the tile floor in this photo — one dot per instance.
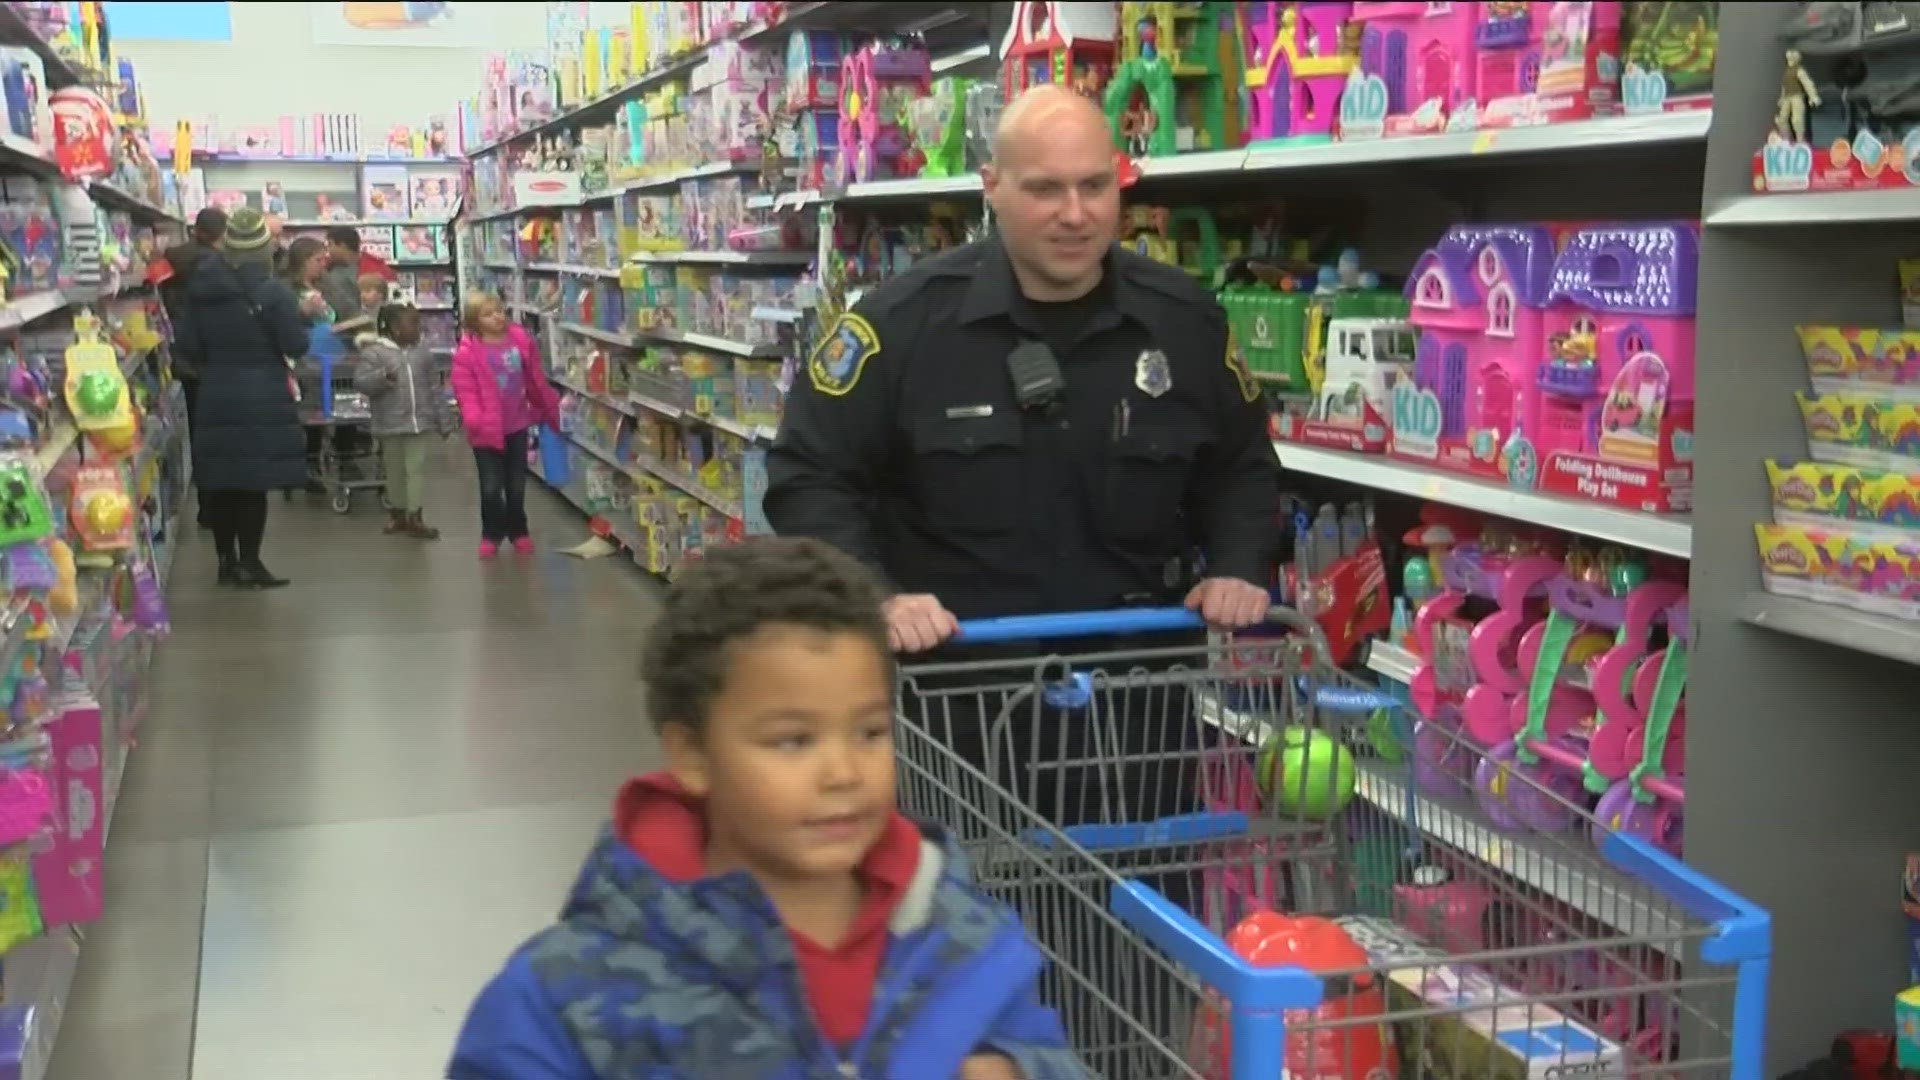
[355, 795]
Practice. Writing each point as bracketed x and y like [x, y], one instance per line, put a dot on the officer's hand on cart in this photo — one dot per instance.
[1229, 603]
[989, 1067]
[917, 622]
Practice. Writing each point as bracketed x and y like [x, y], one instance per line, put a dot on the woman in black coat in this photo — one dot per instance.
[241, 325]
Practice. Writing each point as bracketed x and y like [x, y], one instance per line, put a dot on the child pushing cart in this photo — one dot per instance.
[1238, 871]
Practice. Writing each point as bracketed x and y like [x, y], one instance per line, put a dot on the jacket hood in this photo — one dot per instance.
[719, 921]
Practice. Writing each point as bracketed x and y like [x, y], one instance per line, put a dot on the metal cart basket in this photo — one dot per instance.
[1138, 808]
[343, 457]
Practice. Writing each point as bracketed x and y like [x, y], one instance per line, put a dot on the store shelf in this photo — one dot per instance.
[22, 310]
[121, 199]
[1669, 534]
[728, 258]
[1559, 867]
[1818, 208]
[203, 157]
[600, 399]
[728, 345]
[724, 423]
[1206, 163]
[775, 314]
[611, 337]
[311, 223]
[575, 268]
[20, 153]
[648, 470]
[15, 31]
[1861, 631]
[912, 189]
[1607, 135]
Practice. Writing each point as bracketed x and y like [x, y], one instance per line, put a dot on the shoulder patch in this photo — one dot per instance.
[835, 364]
[1237, 364]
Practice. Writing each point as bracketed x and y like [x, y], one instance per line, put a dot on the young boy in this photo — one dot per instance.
[759, 910]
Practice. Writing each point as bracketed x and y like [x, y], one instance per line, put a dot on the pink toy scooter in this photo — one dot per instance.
[1649, 802]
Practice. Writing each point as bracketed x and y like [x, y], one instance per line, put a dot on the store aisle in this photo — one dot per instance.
[352, 796]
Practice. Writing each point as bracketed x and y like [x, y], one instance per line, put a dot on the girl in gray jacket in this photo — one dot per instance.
[409, 407]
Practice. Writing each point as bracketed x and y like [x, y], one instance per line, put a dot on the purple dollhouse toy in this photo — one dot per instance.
[1423, 53]
[1479, 299]
[1620, 341]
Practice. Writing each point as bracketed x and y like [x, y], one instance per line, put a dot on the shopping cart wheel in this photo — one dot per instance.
[342, 503]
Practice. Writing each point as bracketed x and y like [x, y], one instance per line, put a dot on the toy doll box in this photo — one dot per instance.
[1366, 434]
[1476, 1026]
[1860, 164]
[1646, 459]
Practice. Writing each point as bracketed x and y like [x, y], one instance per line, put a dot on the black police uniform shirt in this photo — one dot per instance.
[902, 443]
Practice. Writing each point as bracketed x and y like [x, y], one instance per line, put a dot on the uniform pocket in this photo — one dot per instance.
[1146, 483]
[967, 473]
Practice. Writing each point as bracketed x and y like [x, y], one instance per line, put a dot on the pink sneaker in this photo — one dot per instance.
[488, 549]
[523, 545]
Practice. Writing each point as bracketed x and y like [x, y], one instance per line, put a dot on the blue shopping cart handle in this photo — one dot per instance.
[1199, 950]
[1117, 622]
[1114, 623]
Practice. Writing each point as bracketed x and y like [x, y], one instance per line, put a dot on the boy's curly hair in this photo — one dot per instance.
[732, 591]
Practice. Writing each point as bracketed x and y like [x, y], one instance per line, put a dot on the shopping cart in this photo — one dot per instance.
[342, 455]
[1139, 807]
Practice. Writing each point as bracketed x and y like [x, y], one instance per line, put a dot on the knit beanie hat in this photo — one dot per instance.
[246, 232]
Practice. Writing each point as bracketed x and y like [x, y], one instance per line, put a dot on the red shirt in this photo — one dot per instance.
[374, 264]
[667, 827]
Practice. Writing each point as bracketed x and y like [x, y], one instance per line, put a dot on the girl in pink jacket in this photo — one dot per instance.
[503, 391]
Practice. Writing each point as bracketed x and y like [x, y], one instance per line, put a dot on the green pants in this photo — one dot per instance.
[406, 461]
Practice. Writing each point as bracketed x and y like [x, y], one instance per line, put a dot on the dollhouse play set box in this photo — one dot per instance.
[1556, 358]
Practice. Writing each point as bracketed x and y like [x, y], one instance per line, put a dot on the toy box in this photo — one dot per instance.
[1415, 66]
[877, 82]
[1669, 49]
[1177, 86]
[1614, 419]
[1298, 58]
[1541, 63]
[1862, 429]
[813, 68]
[1068, 44]
[1841, 566]
[1566, 369]
[1910, 908]
[1478, 299]
[1853, 359]
[1817, 495]
[1475, 1025]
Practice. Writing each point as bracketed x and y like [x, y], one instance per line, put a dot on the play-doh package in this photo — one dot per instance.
[1868, 431]
[1860, 359]
[1820, 496]
[1838, 566]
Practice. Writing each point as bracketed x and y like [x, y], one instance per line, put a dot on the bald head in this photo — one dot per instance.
[1043, 114]
[1054, 192]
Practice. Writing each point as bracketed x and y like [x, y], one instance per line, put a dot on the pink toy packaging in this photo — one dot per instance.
[1416, 67]
[67, 873]
[1556, 358]
[1479, 301]
[1542, 63]
[1615, 411]
[1297, 64]
[876, 83]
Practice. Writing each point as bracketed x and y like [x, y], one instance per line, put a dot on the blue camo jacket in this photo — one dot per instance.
[645, 978]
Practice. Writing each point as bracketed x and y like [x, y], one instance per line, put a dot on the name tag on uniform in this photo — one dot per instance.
[969, 412]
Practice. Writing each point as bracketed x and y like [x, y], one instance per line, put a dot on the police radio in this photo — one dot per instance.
[1038, 382]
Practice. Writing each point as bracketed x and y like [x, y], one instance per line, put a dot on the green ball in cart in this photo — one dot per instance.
[1305, 773]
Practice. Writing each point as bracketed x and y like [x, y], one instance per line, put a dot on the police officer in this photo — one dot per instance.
[1037, 422]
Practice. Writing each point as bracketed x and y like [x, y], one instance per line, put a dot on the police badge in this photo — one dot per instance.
[1152, 373]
